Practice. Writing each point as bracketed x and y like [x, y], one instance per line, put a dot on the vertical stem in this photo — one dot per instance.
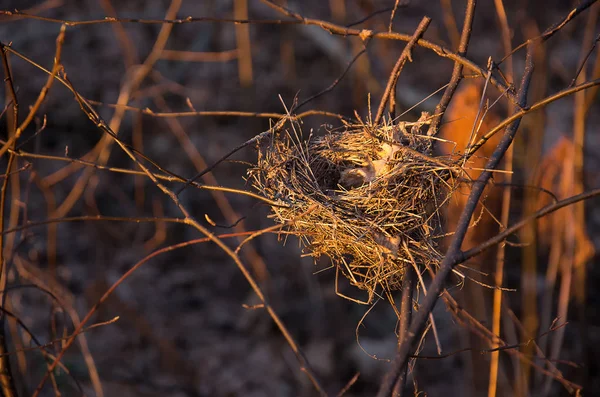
[506, 196]
[454, 254]
[242, 36]
[7, 386]
[440, 109]
[390, 89]
[408, 285]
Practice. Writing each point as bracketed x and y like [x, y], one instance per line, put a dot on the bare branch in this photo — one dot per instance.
[450, 260]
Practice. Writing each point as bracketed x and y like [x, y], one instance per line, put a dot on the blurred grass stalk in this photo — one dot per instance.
[242, 36]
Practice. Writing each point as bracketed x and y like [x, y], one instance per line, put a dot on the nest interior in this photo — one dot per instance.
[368, 197]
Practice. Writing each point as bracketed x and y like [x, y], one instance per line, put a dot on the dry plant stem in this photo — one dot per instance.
[8, 248]
[127, 90]
[506, 198]
[16, 15]
[513, 350]
[364, 33]
[552, 372]
[591, 94]
[80, 327]
[6, 380]
[304, 365]
[194, 56]
[18, 343]
[226, 113]
[61, 174]
[250, 255]
[328, 26]
[332, 86]
[193, 113]
[351, 382]
[466, 255]
[465, 36]
[450, 22]
[41, 348]
[42, 96]
[396, 4]
[130, 59]
[49, 277]
[531, 310]
[579, 270]
[127, 46]
[573, 257]
[533, 315]
[167, 178]
[454, 253]
[66, 301]
[45, 5]
[91, 218]
[7, 385]
[102, 147]
[390, 89]
[250, 141]
[466, 318]
[408, 285]
[551, 31]
[281, 118]
[529, 109]
[585, 59]
[242, 37]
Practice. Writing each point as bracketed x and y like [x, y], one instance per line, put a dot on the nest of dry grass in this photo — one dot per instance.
[366, 196]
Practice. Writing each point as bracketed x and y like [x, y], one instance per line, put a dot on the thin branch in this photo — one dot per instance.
[465, 36]
[42, 96]
[519, 225]
[333, 85]
[276, 128]
[552, 30]
[529, 109]
[371, 15]
[88, 218]
[454, 252]
[7, 384]
[367, 34]
[100, 123]
[171, 177]
[193, 56]
[505, 214]
[328, 26]
[166, 21]
[218, 113]
[236, 149]
[408, 286]
[390, 89]
[585, 59]
[450, 22]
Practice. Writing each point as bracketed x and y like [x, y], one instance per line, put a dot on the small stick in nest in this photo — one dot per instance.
[374, 191]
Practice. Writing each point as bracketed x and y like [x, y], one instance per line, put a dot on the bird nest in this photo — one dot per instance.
[366, 196]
